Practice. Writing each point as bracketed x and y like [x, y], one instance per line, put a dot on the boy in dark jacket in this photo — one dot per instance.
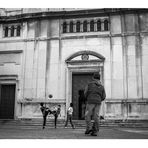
[95, 94]
[45, 111]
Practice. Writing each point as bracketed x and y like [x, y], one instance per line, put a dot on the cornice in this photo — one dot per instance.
[70, 14]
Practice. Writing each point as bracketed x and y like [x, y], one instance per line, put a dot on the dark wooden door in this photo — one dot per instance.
[79, 82]
[7, 101]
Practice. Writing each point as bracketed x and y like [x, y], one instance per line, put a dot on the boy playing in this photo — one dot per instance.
[56, 113]
[69, 116]
[45, 111]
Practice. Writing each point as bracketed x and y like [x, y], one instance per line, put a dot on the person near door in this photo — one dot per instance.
[95, 94]
[81, 104]
[69, 116]
[45, 111]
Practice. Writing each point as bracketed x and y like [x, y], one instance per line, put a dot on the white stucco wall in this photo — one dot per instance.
[42, 70]
[145, 65]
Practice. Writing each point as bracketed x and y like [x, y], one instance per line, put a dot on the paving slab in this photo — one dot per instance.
[69, 133]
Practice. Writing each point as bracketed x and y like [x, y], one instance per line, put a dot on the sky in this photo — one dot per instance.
[74, 4]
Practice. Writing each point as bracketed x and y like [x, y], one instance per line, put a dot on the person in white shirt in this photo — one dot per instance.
[69, 116]
[56, 112]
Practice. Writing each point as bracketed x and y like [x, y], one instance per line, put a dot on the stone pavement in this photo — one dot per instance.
[11, 132]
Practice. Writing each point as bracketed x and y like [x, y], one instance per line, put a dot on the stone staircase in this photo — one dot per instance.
[37, 123]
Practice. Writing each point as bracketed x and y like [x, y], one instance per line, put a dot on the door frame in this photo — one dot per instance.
[11, 80]
[78, 68]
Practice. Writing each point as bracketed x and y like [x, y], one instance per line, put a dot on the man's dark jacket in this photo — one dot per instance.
[95, 93]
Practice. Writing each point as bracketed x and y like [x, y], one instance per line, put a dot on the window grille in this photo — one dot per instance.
[12, 31]
[18, 30]
[85, 26]
[6, 31]
[92, 25]
[78, 26]
[71, 27]
[105, 25]
[98, 25]
[64, 27]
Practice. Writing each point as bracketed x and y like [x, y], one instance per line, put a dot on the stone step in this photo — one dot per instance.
[35, 123]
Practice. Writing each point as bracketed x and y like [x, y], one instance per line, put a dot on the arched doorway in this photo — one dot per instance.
[80, 69]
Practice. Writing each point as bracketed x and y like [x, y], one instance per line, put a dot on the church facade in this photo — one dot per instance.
[49, 55]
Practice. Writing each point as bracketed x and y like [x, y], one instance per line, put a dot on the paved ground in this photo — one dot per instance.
[61, 133]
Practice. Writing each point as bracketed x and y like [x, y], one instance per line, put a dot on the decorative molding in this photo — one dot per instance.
[81, 63]
[8, 77]
[35, 100]
[125, 101]
[10, 51]
[74, 36]
[86, 52]
[85, 57]
[70, 14]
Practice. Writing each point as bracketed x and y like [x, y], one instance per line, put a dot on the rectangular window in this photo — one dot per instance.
[99, 24]
[12, 30]
[6, 32]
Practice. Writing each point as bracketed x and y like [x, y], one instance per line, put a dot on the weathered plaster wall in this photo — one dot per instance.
[42, 67]
[130, 56]
[122, 66]
[42, 70]
[117, 69]
[145, 66]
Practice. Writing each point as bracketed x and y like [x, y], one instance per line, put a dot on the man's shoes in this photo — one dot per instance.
[94, 134]
[87, 132]
[43, 127]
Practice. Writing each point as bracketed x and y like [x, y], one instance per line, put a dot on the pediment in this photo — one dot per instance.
[84, 56]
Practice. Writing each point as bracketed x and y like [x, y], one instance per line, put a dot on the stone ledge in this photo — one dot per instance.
[33, 100]
[10, 51]
[114, 101]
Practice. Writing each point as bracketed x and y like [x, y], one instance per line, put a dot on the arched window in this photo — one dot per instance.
[12, 31]
[18, 30]
[64, 27]
[78, 26]
[92, 25]
[6, 31]
[105, 25]
[85, 26]
[98, 25]
[71, 27]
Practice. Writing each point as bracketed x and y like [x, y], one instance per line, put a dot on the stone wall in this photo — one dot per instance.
[38, 59]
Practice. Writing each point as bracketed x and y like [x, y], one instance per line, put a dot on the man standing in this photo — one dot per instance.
[95, 94]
